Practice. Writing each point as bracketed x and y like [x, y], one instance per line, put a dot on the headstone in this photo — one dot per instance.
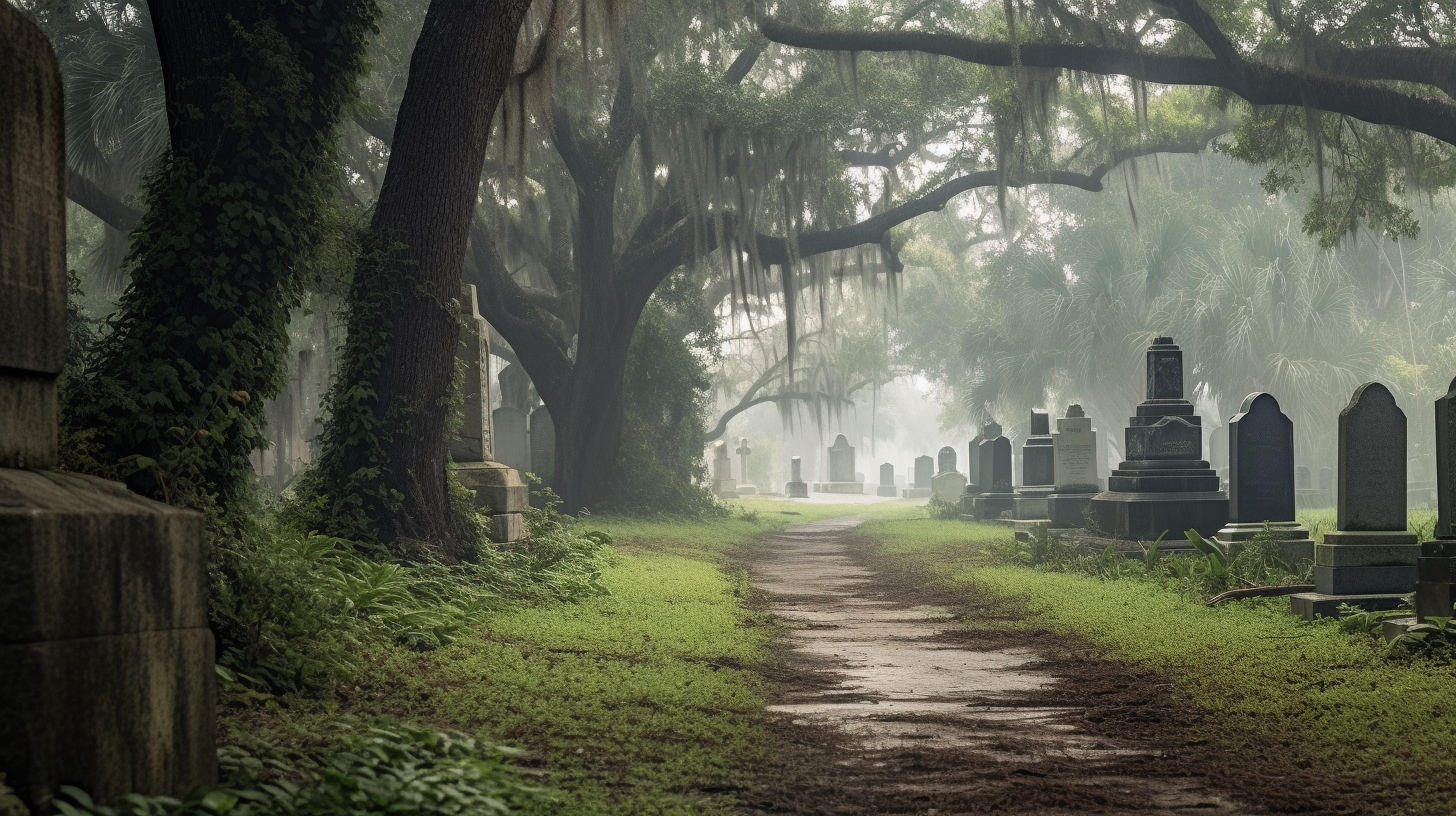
[1303, 479]
[887, 481]
[1074, 454]
[107, 678]
[924, 472]
[723, 482]
[1261, 482]
[998, 497]
[473, 443]
[1370, 561]
[1436, 567]
[1327, 487]
[515, 387]
[948, 483]
[945, 460]
[1164, 487]
[743, 450]
[543, 444]
[796, 487]
[842, 476]
[512, 438]
[1038, 462]
[973, 462]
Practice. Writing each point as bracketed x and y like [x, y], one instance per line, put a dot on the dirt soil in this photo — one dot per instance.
[891, 696]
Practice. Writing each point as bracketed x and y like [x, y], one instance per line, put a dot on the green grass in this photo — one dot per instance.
[1319, 521]
[1272, 680]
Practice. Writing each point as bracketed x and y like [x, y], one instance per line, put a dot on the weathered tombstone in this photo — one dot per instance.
[948, 483]
[1038, 465]
[107, 679]
[1370, 561]
[1327, 487]
[1164, 487]
[512, 438]
[973, 462]
[1306, 496]
[842, 476]
[1303, 479]
[1074, 453]
[498, 489]
[723, 482]
[1436, 567]
[887, 481]
[924, 472]
[515, 385]
[543, 443]
[998, 494]
[1261, 482]
[796, 487]
[743, 450]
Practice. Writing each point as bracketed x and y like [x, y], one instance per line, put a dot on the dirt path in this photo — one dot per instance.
[888, 705]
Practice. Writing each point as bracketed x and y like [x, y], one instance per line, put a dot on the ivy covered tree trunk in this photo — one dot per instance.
[382, 469]
[172, 400]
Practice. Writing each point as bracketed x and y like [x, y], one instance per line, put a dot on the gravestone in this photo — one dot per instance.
[924, 472]
[1436, 566]
[948, 483]
[512, 438]
[1164, 487]
[1038, 466]
[543, 443]
[1303, 479]
[724, 485]
[1261, 482]
[1074, 454]
[1327, 487]
[887, 481]
[796, 487]
[499, 492]
[743, 450]
[998, 495]
[515, 385]
[1306, 495]
[1370, 561]
[842, 476]
[973, 471]
[107, 678]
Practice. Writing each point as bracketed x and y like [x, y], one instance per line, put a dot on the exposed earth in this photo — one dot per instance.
[892, 696]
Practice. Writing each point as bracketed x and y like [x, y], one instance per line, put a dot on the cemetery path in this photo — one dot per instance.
[887, 704]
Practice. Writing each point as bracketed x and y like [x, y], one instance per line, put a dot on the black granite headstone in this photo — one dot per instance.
[1038, 460]
[1372, 462]
[946, 461]
[1261, 462]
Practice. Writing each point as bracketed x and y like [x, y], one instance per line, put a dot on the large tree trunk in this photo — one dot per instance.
[383, 465]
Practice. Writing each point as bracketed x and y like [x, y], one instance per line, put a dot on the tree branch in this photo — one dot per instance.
[116, 213]
[379, 127]
[783, 396]
[742, 64]
[1257, 83]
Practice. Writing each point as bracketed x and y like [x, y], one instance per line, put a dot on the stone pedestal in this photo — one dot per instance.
[887, 490]
[841, 487]
[1365, 563]
[948, 485]
[1066, 510]
[1436, 580]
[992, 506]
[796, 490]
[746, 490]
[500, 494]
[915, 493]
[1291, 541]
[1031, 503]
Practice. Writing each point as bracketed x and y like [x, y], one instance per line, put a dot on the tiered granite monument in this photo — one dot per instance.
[724, 485]
[744, 488]
[106, 659]
[997, 497]
[887, 481]
[841, 469]
[924, 472]
[1261, 481]
[1038, 466]
[499, 491]
[1074, 454]
[1165, 487]
[1370, 561]
[1436, 567]
[796, 488]
[948, 483]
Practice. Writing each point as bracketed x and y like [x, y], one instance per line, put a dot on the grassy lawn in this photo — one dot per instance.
[1331, 697]
[645, 700]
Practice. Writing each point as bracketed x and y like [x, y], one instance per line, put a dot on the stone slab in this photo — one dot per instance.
[1311, 605]
[1435, 599]
[28, 412]
[113, 714]
[1027, 529]
[497, 488]
[887, 490]
[747, 490]
[1364, 580]
[84, 557]
[1068, 509]
[1145, 516]
[1291, 541]
[1329, 554]
[507, 527]
[1030, 507]
[1436, 570]
[796, 490]
[948, 485]
[994, 506]
[841, 487]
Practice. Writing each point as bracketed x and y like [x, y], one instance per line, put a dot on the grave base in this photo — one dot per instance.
[887, 490]
[991, 506]
[1031, 503]
[796, 490]
[915, 493]
[1027, 529]
[841, 487]
[747, 490]
[1366, 563]
[1146, 516]
[1291, 541]
[1068, 509]
[1311, 605]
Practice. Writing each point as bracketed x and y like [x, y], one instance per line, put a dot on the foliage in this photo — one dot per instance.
[215, 261]
[388, 769]
[942, 509]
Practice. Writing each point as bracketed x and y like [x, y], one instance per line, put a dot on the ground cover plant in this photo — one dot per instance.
[1337, 699]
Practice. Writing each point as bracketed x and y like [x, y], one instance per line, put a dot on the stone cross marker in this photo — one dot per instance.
[1261, 462]
[743, 450]
[924, 472]
[1074, 451]
[106, 661]
[841, 460]
[1372, 455]
[473, 443]
[946, 460]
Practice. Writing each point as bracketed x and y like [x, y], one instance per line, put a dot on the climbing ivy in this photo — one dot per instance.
[171, 398]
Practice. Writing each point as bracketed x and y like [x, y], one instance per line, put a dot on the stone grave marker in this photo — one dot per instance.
[924, 471]
[948, 483]
[543, 443]
[1370, 561]
[1436, 566]
[107, 678]
[743, 450]
[887, 481]
[1074, 454]
[973, 462]
[1303, 479]
[723, 482]
[998, 496]
[842, 475]
[796, 487]
[498, 489]
[1261, 481]
[1038, 464]
[512, 438]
